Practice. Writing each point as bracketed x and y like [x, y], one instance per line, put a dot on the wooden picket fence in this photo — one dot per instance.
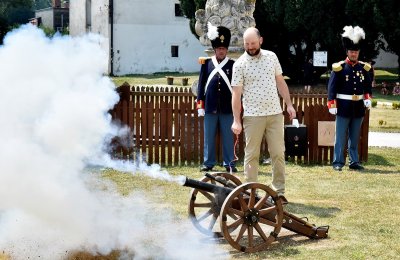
[165, 128]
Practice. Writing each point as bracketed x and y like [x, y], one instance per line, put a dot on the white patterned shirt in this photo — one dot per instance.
[257, 77]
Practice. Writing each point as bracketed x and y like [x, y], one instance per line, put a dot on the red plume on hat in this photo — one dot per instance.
[352, 37]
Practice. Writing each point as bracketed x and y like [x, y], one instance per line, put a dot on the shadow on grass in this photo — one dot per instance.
[284, 246]
[375, 159]
[302, 209]
[370, 170]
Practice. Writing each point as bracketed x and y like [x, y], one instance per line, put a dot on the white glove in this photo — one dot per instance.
[367, 103]
[201, 112]
[333, 111]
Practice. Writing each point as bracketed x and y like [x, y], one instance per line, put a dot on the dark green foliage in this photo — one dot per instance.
[14, 12]
[388, 19]
[294, 29]
[189, 7]
[41, 4]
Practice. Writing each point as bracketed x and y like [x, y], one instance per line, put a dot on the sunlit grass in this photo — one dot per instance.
[384, 119]
[154, 79]
[359, 207]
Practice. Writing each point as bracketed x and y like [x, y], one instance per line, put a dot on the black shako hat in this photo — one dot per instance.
[352, 38]
[219, 36]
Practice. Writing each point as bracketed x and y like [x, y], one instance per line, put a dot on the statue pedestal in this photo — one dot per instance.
[233, 52]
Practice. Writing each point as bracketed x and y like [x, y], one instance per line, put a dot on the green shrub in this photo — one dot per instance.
[374, 103]
[396, 105]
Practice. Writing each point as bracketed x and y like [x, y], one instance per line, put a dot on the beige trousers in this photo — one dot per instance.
[254, 129]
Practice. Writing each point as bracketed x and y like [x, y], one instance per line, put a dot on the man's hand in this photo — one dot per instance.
[367, 100]
[236, 128]
[201, 112]
[367, 103]
[333, 111]
[291, 112]
[332, 106]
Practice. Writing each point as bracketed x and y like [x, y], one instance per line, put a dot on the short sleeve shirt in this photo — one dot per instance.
[257, 77]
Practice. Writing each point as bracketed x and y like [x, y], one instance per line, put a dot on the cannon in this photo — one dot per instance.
[250, 215]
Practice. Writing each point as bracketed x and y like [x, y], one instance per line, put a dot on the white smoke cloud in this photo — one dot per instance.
[53, 109]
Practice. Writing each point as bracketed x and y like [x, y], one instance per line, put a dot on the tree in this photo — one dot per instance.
[189, 8]
[14, 12]
[294, 29]
[389, 20]
[41, 4]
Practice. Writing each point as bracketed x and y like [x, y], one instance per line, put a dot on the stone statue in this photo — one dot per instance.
[236, 15]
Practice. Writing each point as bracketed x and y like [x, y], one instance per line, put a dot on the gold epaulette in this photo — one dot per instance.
[202, 60]
[337, 66]
[367, 66]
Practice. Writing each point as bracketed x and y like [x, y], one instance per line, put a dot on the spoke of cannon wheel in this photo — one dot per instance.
[261, 202]
[202, 205]
[207, 195]
[236, 212]
[212, 181]
[242, 202]
[250, 236]
[260, 231]
[212, 222]
[241, 232]
[205, 215]
[232, 227]
[267, 211]
[232, 215]
[252, 199]
[267, 222]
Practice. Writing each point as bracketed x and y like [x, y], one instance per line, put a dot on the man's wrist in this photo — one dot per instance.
[332, 103]
[200, 104]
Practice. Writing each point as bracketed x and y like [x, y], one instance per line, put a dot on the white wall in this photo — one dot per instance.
[143, 33]
[99, 21]
[47, 17]
[77, 17]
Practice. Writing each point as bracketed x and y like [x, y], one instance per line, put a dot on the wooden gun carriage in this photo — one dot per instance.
[250, 215]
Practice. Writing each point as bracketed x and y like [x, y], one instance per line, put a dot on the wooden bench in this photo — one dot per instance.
[170, 80]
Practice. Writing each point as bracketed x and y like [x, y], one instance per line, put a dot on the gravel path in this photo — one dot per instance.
[384, 139]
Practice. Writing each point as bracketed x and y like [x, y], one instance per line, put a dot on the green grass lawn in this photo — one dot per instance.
[384, 119]
[360, 207]
[154, 79]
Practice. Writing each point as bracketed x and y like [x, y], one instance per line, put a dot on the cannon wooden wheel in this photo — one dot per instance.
[204, 207]
[248, 221]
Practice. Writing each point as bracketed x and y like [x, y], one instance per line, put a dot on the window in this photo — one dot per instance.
[174, 51]
[88, 15]
[178, 10]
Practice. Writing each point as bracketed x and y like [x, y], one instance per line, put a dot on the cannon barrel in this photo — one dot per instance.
[205, 186]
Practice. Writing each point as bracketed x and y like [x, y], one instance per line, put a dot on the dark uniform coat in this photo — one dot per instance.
[217, 98]
[349, 79]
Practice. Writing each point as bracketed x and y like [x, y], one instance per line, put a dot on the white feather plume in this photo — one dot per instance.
[212, 33]
[354, 34]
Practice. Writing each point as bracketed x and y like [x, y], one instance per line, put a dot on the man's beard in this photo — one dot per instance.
[255, 53]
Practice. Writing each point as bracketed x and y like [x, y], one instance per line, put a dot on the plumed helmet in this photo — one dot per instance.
[219, 36]
[352, 37]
